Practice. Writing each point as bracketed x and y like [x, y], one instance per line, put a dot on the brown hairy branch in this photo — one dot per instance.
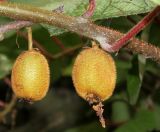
[79, 25]
[20, 24]
[13, 26]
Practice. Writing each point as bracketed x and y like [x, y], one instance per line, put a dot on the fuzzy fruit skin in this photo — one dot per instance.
[94, 73]
[30, 76]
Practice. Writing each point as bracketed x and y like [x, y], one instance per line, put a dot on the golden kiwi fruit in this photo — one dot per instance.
[30, 76]
[94, 72]
[94, 76]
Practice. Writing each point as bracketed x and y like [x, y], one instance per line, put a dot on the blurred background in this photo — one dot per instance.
[134, 106]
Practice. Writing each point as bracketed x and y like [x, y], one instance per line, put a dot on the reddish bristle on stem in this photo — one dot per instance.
[136, 29]
[90, 10]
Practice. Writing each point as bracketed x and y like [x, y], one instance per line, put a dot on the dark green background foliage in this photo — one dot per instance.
[135, 104]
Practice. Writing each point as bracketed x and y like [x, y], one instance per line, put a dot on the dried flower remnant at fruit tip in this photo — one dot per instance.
[90, 67]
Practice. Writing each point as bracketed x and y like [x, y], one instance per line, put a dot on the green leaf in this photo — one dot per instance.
[5, 65]
[133, 82]
[144, 121]
[120, 112]
[156, 1]
[104, 8]
[157, 117]
[153, 38]
[53, 30]
[142, 63]
[122, 67]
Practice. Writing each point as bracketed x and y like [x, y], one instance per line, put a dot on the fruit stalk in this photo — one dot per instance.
[30, 42]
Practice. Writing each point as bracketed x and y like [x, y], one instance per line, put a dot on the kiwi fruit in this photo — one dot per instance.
[94, 77]
[30, 76]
